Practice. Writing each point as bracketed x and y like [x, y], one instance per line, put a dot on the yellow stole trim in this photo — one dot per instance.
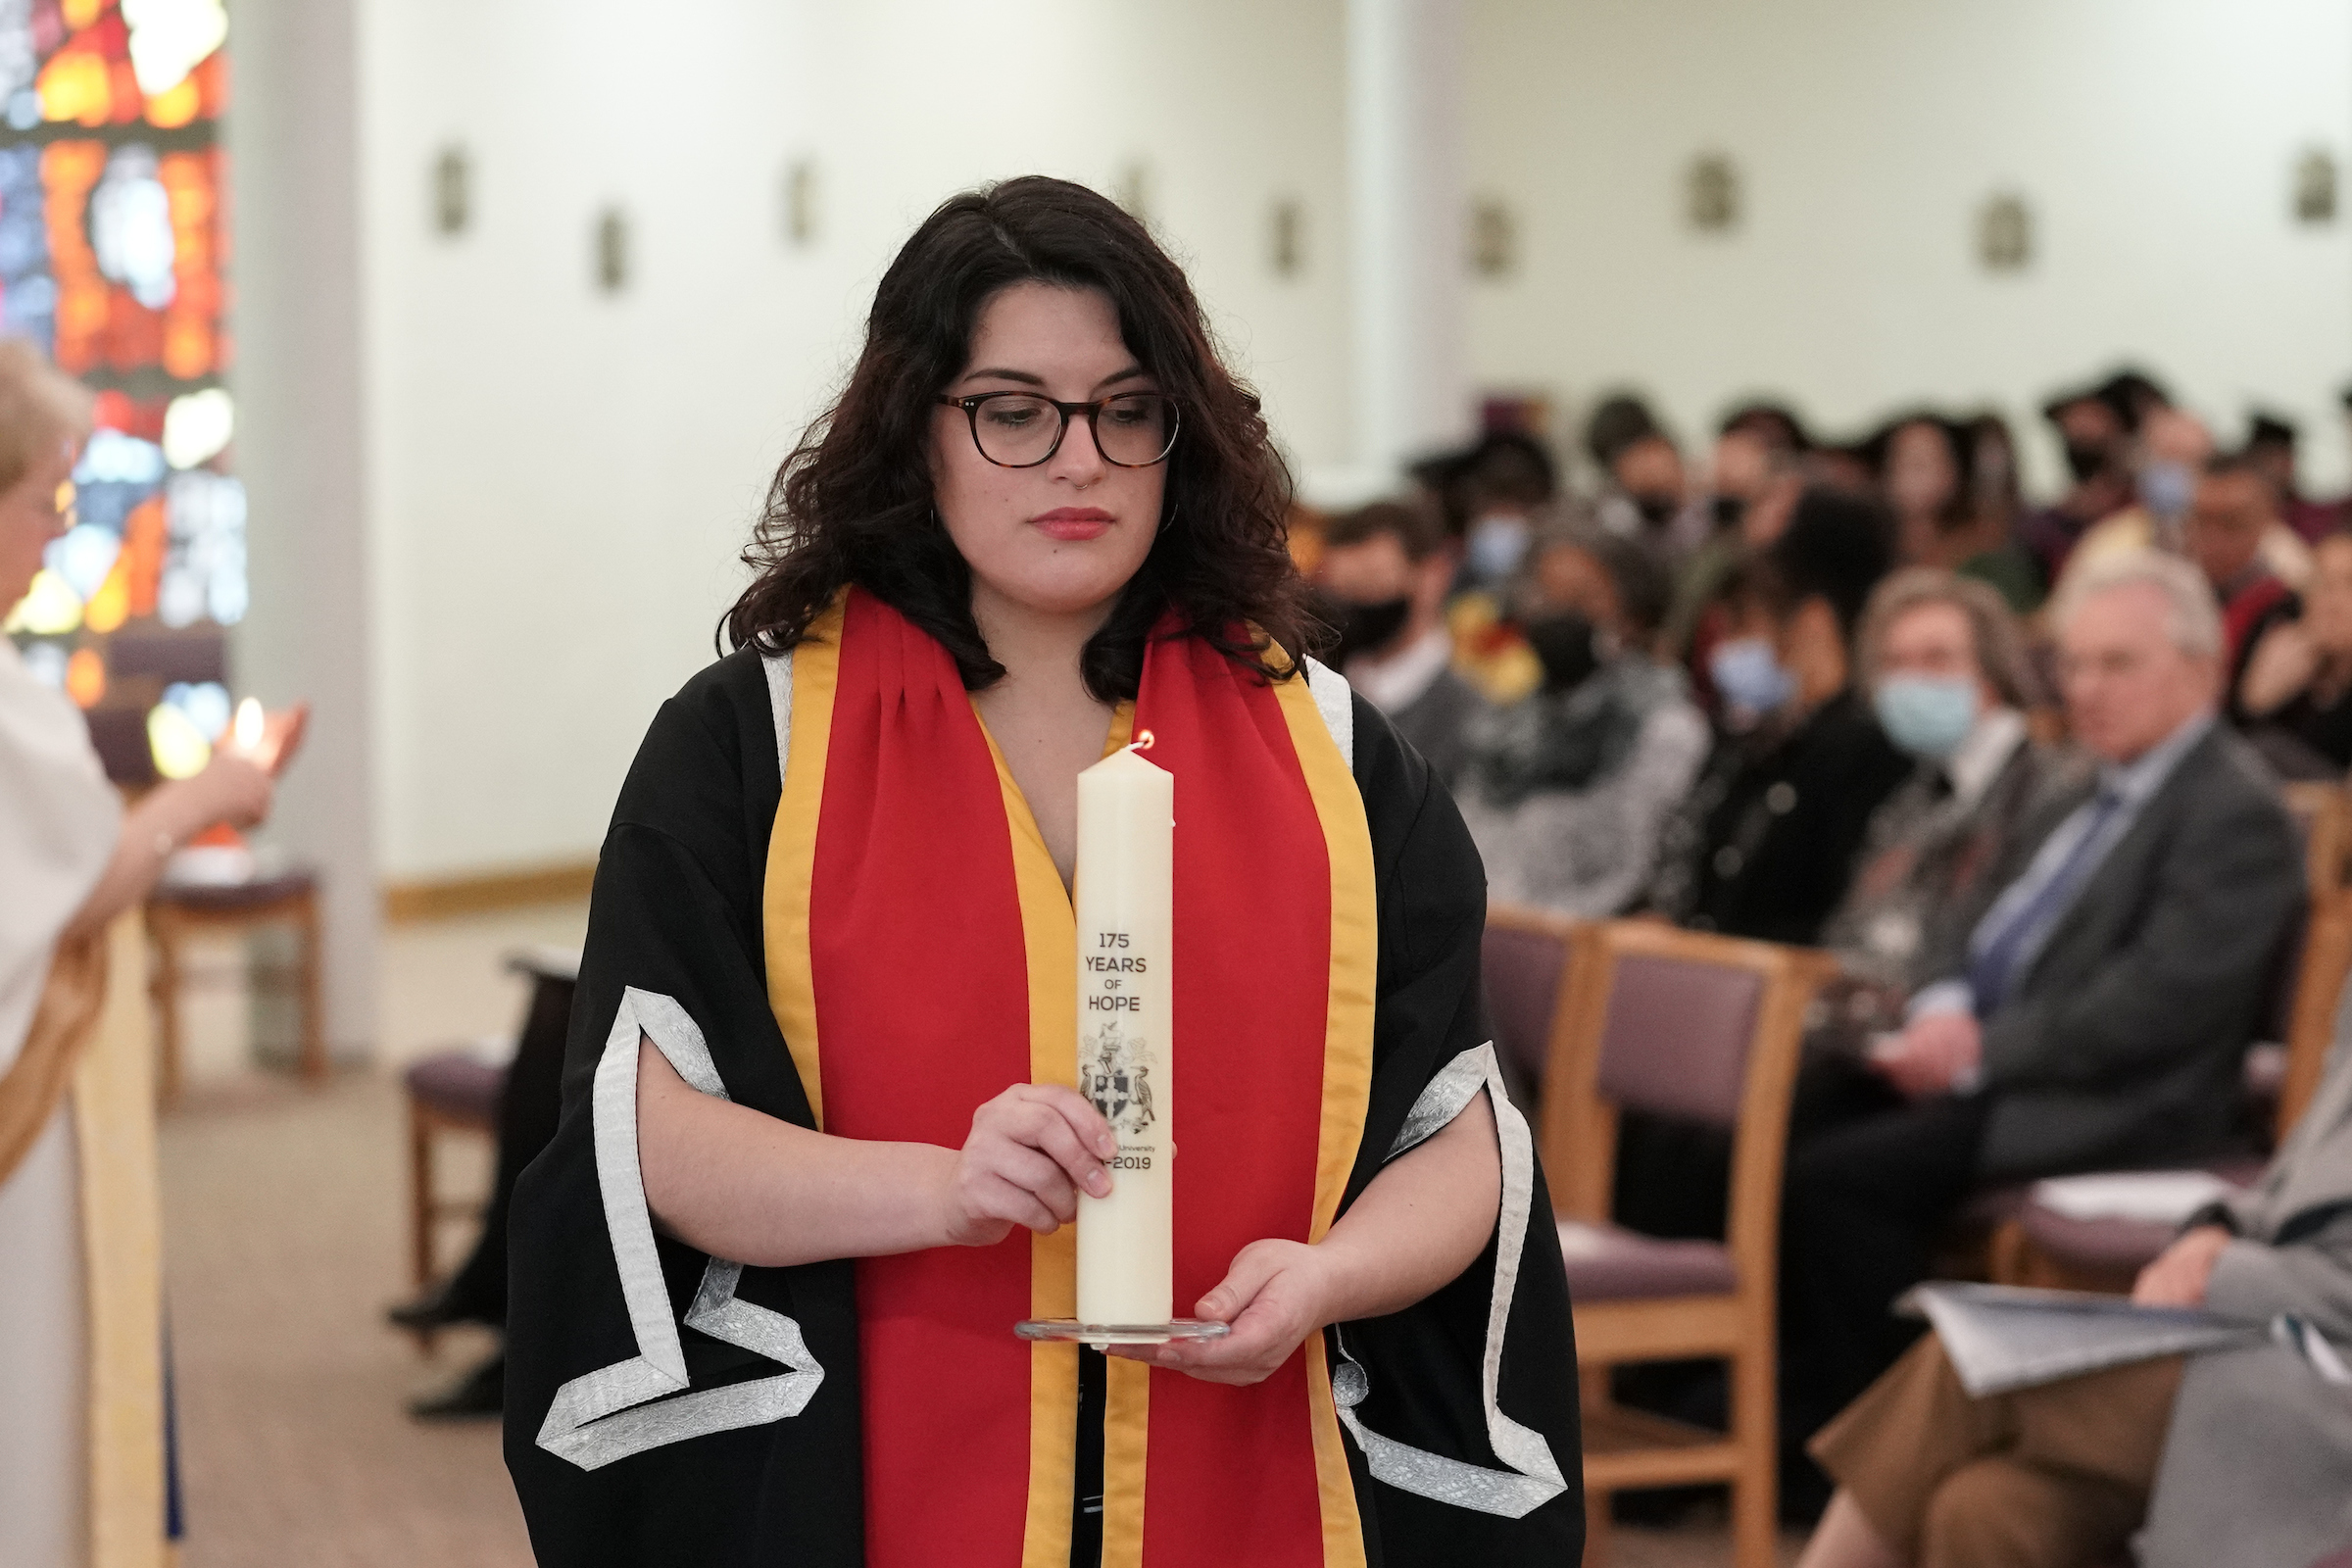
[792, 850]
[122, 1234]
[1346, 1065]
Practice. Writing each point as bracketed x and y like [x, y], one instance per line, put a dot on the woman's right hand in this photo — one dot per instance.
[1032, 1149]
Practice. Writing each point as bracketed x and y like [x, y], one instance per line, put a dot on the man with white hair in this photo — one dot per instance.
[2094, 1017]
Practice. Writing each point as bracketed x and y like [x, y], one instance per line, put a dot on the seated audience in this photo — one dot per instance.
[2248, 1452]
[1949, 681]
[1489, 496]
[1926, 467]
[2296, 697]
[2271, 442]
[1567, 789]
[2172, 450]
[2094, 426]
[1765, 845]
[2227, 522]
[1646, 497]
[1998, 498]
[1755, 470]
[1384, 572]
[2095, 1016]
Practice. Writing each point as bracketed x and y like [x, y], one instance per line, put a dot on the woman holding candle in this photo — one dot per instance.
[822, 1142]
[81, 1440]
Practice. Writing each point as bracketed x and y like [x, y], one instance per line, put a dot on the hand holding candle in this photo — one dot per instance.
[267, 740]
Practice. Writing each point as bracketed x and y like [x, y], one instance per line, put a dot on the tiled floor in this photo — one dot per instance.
[285, 1239]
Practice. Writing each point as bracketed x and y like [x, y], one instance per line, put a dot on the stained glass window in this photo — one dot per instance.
[114, 256]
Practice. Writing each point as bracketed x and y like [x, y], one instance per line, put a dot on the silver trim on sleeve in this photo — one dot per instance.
[1335, 700]
[606, 1414]
[1535, 1477]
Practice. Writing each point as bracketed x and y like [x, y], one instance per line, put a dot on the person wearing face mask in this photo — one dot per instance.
[1567, 789]
[1765, 845]
[1646, 497]
[2172, 450]
[2094, 1017]
[1949, 681]
[2094, 427]
[1382, 577]
[1755, 477]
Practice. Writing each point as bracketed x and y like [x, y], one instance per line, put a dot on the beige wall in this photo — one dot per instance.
[559, 481]
[2153, 139]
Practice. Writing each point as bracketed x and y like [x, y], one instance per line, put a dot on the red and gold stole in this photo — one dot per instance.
[921, 958]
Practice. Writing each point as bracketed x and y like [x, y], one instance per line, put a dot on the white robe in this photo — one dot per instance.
[59, 821]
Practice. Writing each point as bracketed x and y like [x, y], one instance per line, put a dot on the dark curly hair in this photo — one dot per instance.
[854, 503]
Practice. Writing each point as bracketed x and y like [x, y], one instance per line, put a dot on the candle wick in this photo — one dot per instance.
[1141, 741]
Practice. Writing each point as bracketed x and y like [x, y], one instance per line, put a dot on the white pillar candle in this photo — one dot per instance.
[1126, 822]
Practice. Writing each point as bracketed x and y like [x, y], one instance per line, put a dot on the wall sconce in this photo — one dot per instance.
[1287, 233]
[2314, 187]
[1711, 194]
[1494, 238]
[612, 250]
[453, 191]
[799, 203]
[2005, 233]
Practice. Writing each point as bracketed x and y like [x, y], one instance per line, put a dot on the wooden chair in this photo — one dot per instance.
[449, 1092]
[457, 1091]
[1523, 964]
[1707, 1029]
[175, 909]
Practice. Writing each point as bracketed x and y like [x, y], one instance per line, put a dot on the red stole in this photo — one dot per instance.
[921, 959]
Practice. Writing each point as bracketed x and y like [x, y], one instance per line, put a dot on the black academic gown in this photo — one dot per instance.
[677, 911]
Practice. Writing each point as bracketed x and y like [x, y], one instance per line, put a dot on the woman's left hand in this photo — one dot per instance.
[1274, 1296]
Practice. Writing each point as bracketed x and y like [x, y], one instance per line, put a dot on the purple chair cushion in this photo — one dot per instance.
[2107, 1244]
[458, 1085]
[1677, 1038]
[2110, 1243]
[1609, 1263]
[1523, 970]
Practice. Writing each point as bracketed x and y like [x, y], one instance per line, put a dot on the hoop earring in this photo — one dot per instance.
[1169, 520]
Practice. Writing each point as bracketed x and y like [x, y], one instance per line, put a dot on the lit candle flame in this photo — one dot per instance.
[248, 729]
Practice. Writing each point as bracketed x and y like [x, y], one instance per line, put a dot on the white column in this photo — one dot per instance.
[294, 158]
[1406, 228]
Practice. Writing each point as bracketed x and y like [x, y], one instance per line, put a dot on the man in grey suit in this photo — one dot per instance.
[2254, 1467]
[2095, 1016]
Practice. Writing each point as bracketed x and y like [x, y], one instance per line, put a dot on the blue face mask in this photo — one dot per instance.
[1927, 715]
[1750, 676]
[2167, 488]
[1496, 544]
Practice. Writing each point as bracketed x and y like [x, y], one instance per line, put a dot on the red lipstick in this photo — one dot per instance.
[1073, 522]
